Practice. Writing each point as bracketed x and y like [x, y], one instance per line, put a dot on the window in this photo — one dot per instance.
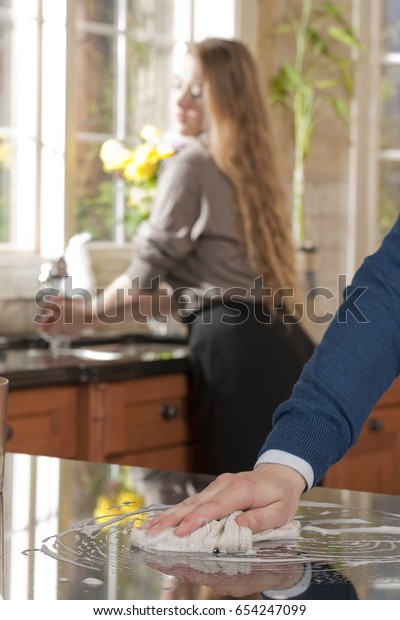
[74, 73]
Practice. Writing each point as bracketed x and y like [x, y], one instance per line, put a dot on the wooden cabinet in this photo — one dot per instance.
[43, 421]
[143, 422]
[373, 464]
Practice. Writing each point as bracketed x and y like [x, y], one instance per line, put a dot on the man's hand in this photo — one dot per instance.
[269, 497]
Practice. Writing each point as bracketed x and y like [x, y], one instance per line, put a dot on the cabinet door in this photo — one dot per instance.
[373, 464]
[43, 421]
[142, 422]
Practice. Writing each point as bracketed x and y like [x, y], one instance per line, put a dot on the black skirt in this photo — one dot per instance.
[242, 368]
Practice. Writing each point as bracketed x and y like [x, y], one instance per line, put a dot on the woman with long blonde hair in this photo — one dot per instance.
[246, 348]
[219, 235]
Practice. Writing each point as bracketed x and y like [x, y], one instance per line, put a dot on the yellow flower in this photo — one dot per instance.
[5, 154]
[150, 133]
[139, 168]
[125, 502]
[125, 499]
[113, 155]
[143, 165]
[102, 508]
[164, 151]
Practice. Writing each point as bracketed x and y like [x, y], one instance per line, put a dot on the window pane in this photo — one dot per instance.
[182, 20]
[94, 194]
[5, 74]
[6, 155]
[392, 25]
[55, 11]
[18, 127]
[149, 78]
[103, 11]
[95, 77]
[150, 18]
[222, 23]
[390, 118]
[24, 76]
[25, 8]
[389, 196]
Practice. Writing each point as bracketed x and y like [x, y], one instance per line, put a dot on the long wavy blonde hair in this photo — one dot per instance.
[242, 145]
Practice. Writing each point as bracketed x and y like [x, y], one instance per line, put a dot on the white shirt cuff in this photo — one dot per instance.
[290, 460]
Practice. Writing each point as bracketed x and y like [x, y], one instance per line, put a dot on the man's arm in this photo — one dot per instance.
[356, 362]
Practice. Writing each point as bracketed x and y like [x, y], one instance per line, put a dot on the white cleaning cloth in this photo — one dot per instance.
[223, 536]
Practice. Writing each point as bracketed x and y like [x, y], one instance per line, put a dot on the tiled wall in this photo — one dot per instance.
[19, 285]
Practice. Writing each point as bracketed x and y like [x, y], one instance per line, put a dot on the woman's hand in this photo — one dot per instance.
[62, 316]
[269, 497]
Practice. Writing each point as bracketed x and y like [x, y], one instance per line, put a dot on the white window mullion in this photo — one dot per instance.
[53, 115]
[24, 73]
[38, 145]
[120, 107]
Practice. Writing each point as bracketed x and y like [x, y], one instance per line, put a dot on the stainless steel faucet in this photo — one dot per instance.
[53, 274]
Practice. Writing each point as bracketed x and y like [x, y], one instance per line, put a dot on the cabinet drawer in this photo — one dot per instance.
[43, 421]
[391, 396]
[382, 420]
[146, 413]
[373, 464]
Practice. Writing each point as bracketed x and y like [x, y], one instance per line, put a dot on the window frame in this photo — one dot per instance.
[366, 154]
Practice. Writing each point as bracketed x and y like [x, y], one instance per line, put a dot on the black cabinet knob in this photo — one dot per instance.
[375, 425]
[9, 433]
[168, 412]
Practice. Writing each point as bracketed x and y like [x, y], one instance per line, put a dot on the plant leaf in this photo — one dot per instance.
[347, 78]
[279, 85]
[334, 11]
[318, 43]
[293, 77]
[282, 29]
[320, 84]
[340, 107]
[344, 36]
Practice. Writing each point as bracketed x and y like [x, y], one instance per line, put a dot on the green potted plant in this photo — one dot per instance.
[316, 71]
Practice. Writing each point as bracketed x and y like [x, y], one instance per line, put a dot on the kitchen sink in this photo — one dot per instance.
[30, 361]
[102, 348]
[99, 355]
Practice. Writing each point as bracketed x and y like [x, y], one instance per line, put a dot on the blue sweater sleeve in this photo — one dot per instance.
[355, 363]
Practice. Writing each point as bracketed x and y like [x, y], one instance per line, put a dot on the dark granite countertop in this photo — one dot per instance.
[28, 362]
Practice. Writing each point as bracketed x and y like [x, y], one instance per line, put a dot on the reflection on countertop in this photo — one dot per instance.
[27, 360]
[54, 544]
